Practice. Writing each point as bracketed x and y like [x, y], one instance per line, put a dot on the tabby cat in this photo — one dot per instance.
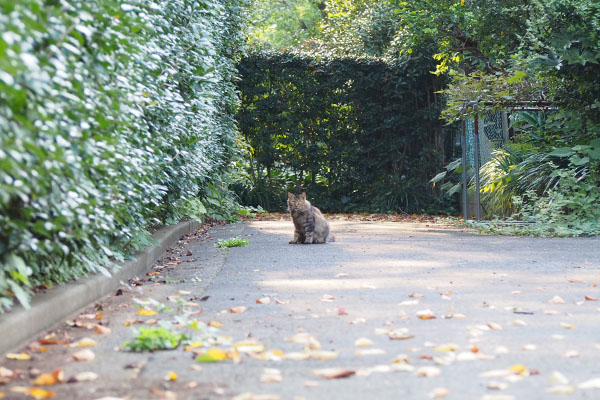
[309, 224]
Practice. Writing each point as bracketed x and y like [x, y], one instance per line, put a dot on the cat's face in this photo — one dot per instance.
[296, 202]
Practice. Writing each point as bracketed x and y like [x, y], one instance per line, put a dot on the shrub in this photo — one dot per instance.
[112, 117]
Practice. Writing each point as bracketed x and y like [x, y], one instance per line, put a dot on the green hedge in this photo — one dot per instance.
[357, 133]
[113, 116]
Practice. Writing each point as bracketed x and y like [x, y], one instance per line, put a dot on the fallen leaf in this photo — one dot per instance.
[342, 275]
[85, 342]
[497, 385]
[369, 352]
[556, 300]
[590, 384]
[518, 369]
[171, 376]
[311, 383]
[327, 298]
[271, 375]
[264, 300]
[84, 355]
[439, 393]
[323, 354]
[296, 356]
[145, 312]
[36, 393]
[400, 334]
[518, 322]
[368, 287]
[216, 324]
[249, 347]
[18, 356]
[567, 325]
[446, 348]
[529, 347]
[557, 378]
[551, 312]
[416, 295]
[333, 373]
[571, 354]
[101, 329]
[341, 311]
[212, 355]
[303, 338]
[277, 301]
[238, 310]
[409, 303]
[590, 298]
[167, 395]
[362, 342]
[561, 389]
[86, 376]
[428, 371]
[48, 379]
[494, 326]
[517, 292]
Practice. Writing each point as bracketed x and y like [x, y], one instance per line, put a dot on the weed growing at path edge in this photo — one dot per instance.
[232, 242]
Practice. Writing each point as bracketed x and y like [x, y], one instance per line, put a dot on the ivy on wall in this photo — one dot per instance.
[113, 115]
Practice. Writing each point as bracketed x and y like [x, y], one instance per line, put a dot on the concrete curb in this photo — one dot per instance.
[47, 309]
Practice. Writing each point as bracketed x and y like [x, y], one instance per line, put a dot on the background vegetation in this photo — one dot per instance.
[492, 51]
[114, 117]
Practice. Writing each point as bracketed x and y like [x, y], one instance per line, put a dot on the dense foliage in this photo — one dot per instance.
[358, 133]
[114, 116]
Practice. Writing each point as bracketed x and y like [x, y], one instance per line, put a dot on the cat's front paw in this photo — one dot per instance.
[308, 241]
[293, 242]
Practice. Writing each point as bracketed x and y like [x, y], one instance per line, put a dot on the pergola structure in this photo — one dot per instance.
[503, 105]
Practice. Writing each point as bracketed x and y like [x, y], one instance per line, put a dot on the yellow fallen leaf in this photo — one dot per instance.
[85, 342]
[145, 312]
[296, 356]
[567, 326]
[36, 393]
[323, 354]
[446, 348]
[561, 389]
[249, 347]
[47, 379]
[19, 356]
[216, 324]
[363, 342]
[425, 314]
[519, 369]
[84, 355]
[212, 355]
[171, 376]
[238, 310]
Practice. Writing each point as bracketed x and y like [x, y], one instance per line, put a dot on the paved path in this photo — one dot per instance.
[511, 318]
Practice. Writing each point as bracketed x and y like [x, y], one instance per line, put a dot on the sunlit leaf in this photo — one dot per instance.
[212, 355]
[18, 356]
[84, 355]
[333, 373]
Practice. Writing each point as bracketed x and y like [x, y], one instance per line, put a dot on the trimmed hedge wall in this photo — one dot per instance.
[113, 117]
[359, 134]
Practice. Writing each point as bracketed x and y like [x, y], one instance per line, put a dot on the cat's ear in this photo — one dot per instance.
[290, 195]
[303, 195]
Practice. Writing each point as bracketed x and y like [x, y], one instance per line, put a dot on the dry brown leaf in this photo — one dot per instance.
[264, 300]
[167, 395]
[567, 325]
[416, 295]
[84, 355]
[425, 314]
[590, 298]
[333, 373]
[494, 326]
[281, 301]
[238, 310]
[101, 329]
[494, 385]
